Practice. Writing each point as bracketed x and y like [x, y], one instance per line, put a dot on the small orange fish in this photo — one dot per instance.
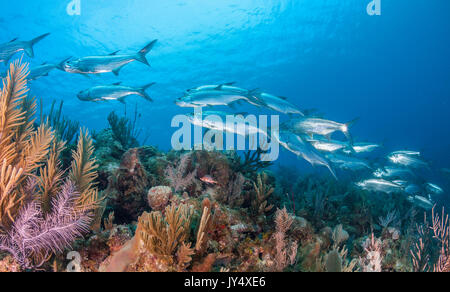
[209, 180]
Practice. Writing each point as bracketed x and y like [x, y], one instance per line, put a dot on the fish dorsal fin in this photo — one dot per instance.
[113, 54]
[283, 97]
[225, 84]
[13, 40]
[117, 83]
[228, 84]
[45, 63]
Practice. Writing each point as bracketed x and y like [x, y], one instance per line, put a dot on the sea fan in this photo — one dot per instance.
[178, 177]
[34, 237]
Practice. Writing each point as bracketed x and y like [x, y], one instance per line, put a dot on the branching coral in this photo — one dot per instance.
[441, 233]
[202, 229]
[163, 235]
[178, 176]
[123, 130]
[285, 252]
[83, 173]
[252, 162]
[22, 149]
[432, 249]
[65, 129]
[263, 191]
[373, 258]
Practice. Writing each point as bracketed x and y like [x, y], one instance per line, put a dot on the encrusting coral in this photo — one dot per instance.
[41, 210]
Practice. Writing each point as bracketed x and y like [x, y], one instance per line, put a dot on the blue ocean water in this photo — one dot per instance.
[391, 71]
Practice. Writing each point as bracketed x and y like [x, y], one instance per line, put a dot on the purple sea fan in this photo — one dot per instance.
[33, 236]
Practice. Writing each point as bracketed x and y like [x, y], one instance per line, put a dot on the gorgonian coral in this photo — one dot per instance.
[35, 236]
[42, 209]
[178, 176]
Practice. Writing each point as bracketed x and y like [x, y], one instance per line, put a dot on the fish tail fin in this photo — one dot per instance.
[60, 65]
[347, 132]
[29, 48]
[143, 93]
[332, 171]
[140, 56]
[254, 98]
[351, 123]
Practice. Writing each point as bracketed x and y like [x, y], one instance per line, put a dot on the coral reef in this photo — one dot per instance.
[123, 207]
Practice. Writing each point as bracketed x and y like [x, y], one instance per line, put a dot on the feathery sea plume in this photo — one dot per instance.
[178, 176]
[34, 236]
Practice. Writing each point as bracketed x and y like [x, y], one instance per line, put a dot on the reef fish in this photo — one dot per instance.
[104, 64]
[8, 50]
[209, 180]
[295, 144]
[380, 185]
[317, 126]
[115, 91]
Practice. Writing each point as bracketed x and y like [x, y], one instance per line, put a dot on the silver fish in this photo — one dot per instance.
[433, 188]
[326, 145]
[406, 160]
[218, 120]
[8, 50]
[413, 189]
[393, 172]
[295, 144]
[44, 70]
[317, 126]
[348, 162]
[115, 91]
[279, 104]
[380, 185]
[421, 202]
[406, 152]
[365, 147]
[401, 182]
[225, 87]
[104, 64]
[216, 97]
